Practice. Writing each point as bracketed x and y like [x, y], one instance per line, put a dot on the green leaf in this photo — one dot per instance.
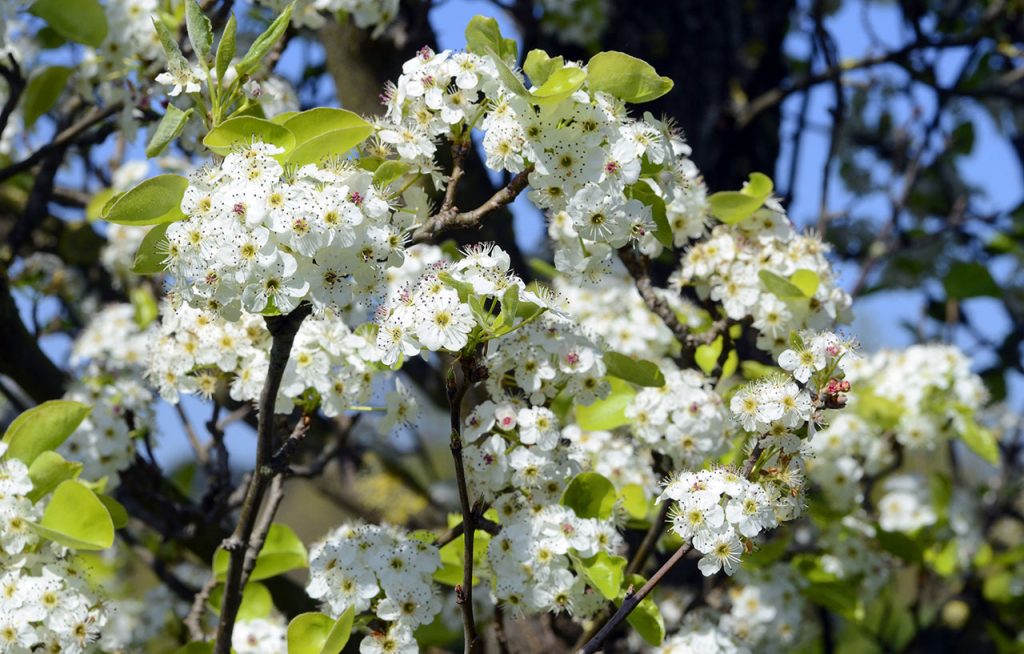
[82, 21]
[483, 36]
[638, 371]
[43, 428]
[175, 60]
[76, 518]
[646, 617]
[200, 34]
[226, 48]
[243, 130]
[48, 471]
[282, 551]
[626, 77]
[153, 201]
[169, 128]
[388, 171]
[981, 441]
[590, 495]
[316, 633]
[878, 410]
[769, 552]
[118, 514]
[604, 572]
[840, 597]
[732, 361]
[42, 92]
[634, 500]
[195, 648]
[643, 192]
[780, 286]
[560, 85]
[539, 66]
[146, 309]
[806, 280]
[965, 280]
[608, 413]
[707, 355]
[265, 41]
[149, 259]
[509, 78]
[452, 554]
[907, 548]
[732, 207]
[256, 602]
[325, 132]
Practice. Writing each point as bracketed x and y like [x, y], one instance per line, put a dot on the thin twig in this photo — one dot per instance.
[637, 265]
[15, 86]
[194, 620]
[241, 542]
[451, 218]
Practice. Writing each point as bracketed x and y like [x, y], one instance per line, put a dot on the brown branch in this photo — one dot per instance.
[451, 218]
[242, 542]
[15, 87]
[194, 620]
[491, 527]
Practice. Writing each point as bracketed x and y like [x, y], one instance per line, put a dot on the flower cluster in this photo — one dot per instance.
[616, 457]
[433, 315]
[747, 268]
[197, 349]
[259, 636]
[378, 567]
[315, 13]
[531, 559]
[110, 356]
[715, 510]
[684, 419]
[47, 603]
[263, 240]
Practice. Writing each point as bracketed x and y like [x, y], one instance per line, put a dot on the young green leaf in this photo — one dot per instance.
[637, 371]
[590, 495]
[707, 355]
[605, 572]
[483, 36]
[146, 309]
[966, 280]
[256, 603]
[265, 41]
[149, 259]
[325, 132]
[806, 280]
[200, 34]
[76, 518]
[175, 60]
[626, 77]
[43, 427]
[388, 171]
[48, 470]
[780, 286]
[282, 551]
[153, 201]
[539, 66]
[316, 633]
[560, 85]
[81, 21]
[243, 130]
[643, 192]
[646, 617]
[169, 128]
[42, 92]
[608, 413]
[226, 48]
[735, 206]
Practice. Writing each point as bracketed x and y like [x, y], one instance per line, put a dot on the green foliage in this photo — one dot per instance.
[153, 201]
[483, 36]
[966, 280]
[626, 77]
[389, 171]
[243, 130]
[604, 572]
[638, 371]
[43, 428]
[175, 60]
[325, 132]
[559, 85]
[634, 501]
[806, 281]
[75, 517]
[608, 413]
[878, 410]
[265, 41]
[736, 206]
[801, 284]
[226, 48]
[646, 617]
[168, 129]
[282, 551]
[48, 471]
[316, 633]
[590, 495]
[707, 355]
[981, 441]
[42, 92]
[149, 259]
[539, 66]
[200, 33]
[81, 21]
[452, 554]
[195, 648]
[643, 192]
[256, 601]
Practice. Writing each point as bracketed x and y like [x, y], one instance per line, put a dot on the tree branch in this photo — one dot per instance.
[243, 541]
